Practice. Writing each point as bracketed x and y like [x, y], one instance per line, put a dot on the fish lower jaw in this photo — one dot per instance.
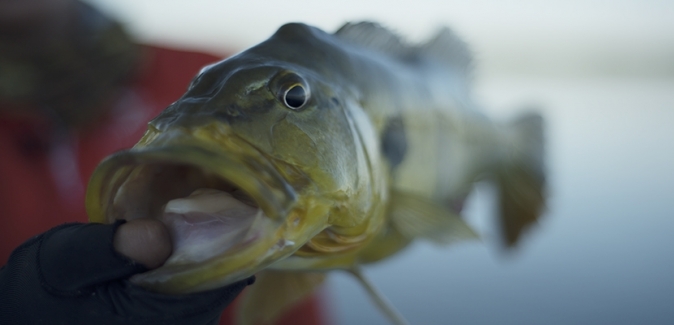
[210, 223]
[217, 240]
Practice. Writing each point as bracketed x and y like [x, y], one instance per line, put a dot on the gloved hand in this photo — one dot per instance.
[74, 274]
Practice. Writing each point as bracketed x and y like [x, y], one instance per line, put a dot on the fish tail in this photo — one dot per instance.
[521, 177]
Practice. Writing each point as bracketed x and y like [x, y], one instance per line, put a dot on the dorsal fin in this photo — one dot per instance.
[373, 36]
[448, 47]
[445, 46]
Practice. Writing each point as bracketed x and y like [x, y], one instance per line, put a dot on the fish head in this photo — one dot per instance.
[254, 163]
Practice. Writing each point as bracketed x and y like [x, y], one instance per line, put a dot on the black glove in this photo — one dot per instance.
[72, 275]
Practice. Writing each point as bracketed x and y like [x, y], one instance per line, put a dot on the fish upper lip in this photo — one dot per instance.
[250, 171]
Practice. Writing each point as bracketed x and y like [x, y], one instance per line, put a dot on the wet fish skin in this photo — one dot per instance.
[387, 139]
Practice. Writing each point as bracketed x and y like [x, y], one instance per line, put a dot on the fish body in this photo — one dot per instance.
[313, 151]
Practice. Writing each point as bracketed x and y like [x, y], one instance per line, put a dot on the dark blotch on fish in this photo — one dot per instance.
[394, 142]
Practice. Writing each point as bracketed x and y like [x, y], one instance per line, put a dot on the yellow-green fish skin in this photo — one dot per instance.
[382, 119]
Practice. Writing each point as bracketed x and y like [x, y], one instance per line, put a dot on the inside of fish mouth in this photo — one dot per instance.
[206, 215]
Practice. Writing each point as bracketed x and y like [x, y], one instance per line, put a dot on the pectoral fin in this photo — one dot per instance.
[275, 292]
[415, 216]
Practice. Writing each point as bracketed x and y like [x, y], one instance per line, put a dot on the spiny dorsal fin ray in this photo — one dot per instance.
[374, 36]
[448, 47]
[275, 292]
[445, 46]
[415, 216]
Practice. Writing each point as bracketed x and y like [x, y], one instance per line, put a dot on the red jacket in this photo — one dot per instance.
[42, 185]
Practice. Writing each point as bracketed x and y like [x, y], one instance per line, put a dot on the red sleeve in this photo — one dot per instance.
[311, 311]
[167, 73]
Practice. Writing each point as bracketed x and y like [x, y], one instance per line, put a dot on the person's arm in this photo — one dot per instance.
[78, 274]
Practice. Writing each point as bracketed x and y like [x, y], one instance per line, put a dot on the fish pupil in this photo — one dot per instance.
[295, 97]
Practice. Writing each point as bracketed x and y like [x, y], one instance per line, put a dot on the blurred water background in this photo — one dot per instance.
[601, 72]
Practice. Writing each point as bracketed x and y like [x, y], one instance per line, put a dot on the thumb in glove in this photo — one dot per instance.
[77, 274]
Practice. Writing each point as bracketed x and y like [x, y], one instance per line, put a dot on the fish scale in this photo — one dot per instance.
[376, 147]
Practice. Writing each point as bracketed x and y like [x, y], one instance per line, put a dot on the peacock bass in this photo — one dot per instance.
[312, 152]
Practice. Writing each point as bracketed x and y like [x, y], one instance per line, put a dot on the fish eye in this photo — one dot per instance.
[291, 89]
[295, 96]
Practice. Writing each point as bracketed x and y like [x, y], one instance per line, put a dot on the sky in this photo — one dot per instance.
[624, 38]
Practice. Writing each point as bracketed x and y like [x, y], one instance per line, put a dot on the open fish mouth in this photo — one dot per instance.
[224, 208]
[211, 222]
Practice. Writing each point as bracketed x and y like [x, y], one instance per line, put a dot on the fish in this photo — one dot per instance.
[315, 151]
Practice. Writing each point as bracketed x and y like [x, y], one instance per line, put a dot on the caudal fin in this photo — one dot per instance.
[521, 178]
